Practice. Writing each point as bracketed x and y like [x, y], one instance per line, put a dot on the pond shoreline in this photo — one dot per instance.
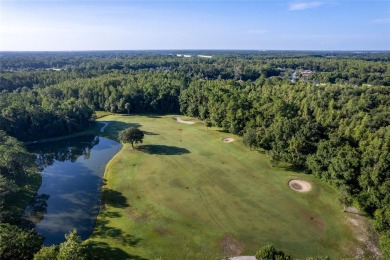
[72, 171]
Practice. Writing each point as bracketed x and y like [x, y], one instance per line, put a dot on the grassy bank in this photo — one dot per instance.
[185, 194]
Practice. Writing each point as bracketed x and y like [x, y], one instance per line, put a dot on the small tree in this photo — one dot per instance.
[385, 244]
[250, 138]
[207, 124]
[345, 199]
[127, 106]
[269, 252]
[72, 248]
[47, 253]
[131, 135]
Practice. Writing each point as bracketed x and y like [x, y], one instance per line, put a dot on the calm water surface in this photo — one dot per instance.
[72, 176]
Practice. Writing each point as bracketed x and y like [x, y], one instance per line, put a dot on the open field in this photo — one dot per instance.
[186, 194]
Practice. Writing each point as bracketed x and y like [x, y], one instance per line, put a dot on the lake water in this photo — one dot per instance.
[72, 176]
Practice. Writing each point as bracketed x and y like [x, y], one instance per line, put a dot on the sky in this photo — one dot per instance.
[73, 25]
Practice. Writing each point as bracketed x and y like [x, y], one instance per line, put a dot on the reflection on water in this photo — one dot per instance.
[65, 150]
[69, 197]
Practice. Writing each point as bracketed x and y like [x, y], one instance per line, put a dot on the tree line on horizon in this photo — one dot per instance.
[338, 131]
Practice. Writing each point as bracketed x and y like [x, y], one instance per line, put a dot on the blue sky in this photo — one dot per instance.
[235, 24]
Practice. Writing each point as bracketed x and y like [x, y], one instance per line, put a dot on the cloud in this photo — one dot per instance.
[256, 31]
[381, 21]
[303, 5]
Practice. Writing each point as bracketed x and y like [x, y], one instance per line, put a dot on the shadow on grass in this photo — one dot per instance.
[163, 149]
[114, 127]
[293, 168]
[223, 131]
[141, 114]
[114, 198]
[104, 231]
[101, 250]
[110, 214]
[149, 133]
[118, 235]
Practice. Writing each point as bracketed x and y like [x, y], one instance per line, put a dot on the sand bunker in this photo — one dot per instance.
[178, 119]
[227, 140]
[299, 185]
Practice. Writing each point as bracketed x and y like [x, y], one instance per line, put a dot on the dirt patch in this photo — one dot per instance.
[352, 210]
[363, 231]
[231, 246]
[161, 231]
[299, 185]
[314, 221]
[136, 216]
[228, 140]
[178, 119]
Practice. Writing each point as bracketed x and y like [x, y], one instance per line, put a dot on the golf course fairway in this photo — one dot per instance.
[185, 193]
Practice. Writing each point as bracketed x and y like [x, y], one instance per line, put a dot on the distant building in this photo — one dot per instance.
[306, 73]
[205, 56]
[187, 56]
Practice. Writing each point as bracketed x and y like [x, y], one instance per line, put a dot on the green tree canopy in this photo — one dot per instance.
[269, 252]
[250, 138]
[72, 248]
[47, 253]
[17, 243]
[131, 135]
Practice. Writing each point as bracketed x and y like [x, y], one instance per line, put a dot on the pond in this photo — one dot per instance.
[72, 176]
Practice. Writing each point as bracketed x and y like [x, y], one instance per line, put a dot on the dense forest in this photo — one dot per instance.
[324, 113]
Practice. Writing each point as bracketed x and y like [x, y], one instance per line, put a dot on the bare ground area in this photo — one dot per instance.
[364, 233]
[231, 246]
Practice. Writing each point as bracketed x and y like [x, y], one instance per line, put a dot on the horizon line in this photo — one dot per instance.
[259, 50]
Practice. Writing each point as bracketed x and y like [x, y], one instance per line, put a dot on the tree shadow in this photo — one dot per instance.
[294, 168]
[118, 235]
[115, 127]
[149, 133]
[114, 198]
[101, 250]
[153, 116]
[102, 230]
[162, 149]
[223, 131]
[110, 214]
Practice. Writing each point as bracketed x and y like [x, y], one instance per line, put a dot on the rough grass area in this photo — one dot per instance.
[184, 194]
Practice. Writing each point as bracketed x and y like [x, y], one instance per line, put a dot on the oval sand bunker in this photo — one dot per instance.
[299, 185]
[227, 140]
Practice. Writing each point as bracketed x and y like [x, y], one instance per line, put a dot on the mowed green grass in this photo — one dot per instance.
[185, 194]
